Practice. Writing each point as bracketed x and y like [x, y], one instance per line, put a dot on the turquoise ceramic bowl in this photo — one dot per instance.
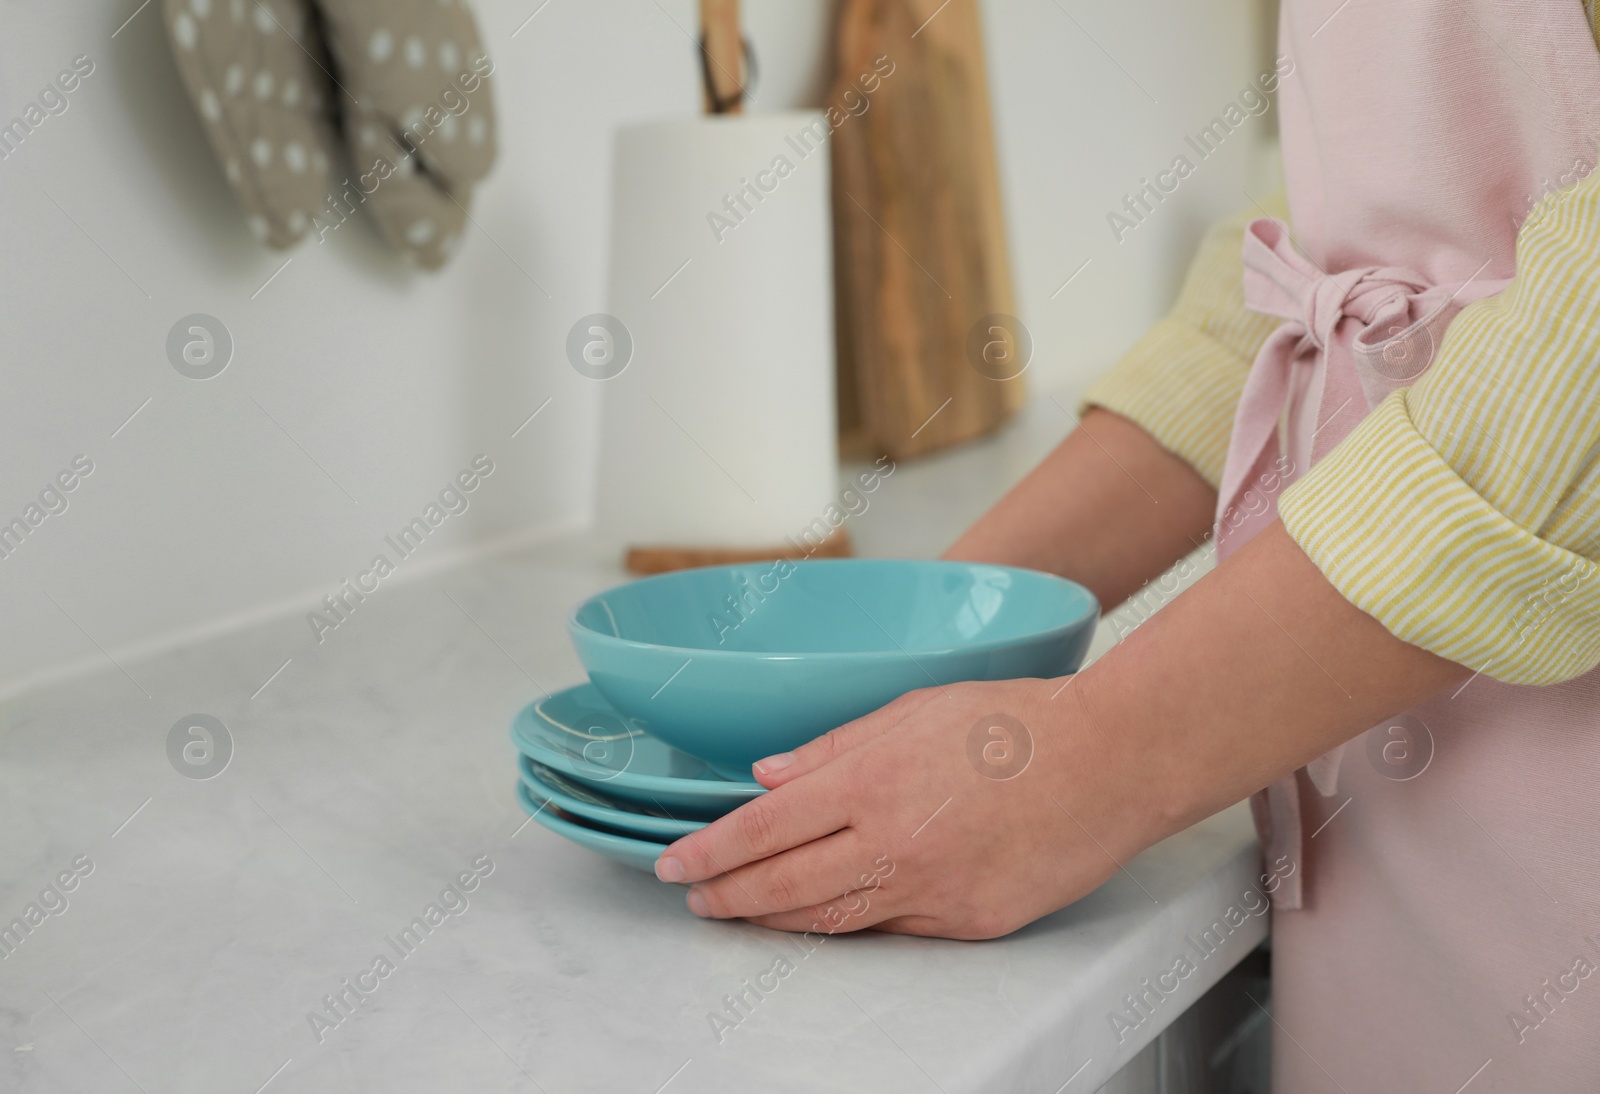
[733, 663]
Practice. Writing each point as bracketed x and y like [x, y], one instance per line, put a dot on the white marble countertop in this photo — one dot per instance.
[207, 918]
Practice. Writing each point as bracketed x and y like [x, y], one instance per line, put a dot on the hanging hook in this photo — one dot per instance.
[720, 105]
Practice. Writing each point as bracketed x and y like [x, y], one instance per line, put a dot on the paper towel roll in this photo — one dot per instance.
[721, 429]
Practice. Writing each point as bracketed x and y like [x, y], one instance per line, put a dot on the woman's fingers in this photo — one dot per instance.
[807, 875]
[775, 771]
[775, 822]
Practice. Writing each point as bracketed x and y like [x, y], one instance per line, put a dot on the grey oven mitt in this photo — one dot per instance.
[286, 87]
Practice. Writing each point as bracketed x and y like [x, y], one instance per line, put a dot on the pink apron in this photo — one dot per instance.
[1447, 881]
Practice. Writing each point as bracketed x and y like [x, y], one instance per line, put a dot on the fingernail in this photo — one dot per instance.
[697, 904]
[669, 869]
[774, 763]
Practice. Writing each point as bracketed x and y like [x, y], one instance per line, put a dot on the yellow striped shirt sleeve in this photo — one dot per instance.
[1181, 382]
[1464, 512]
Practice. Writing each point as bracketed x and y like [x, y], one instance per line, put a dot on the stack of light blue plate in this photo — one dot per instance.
[593, 776]
[695, 675]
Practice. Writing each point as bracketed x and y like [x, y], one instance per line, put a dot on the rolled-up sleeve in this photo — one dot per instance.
[1464, 512]
[1181, 382]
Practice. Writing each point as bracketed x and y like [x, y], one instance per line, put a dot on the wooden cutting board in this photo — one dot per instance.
[919, 241]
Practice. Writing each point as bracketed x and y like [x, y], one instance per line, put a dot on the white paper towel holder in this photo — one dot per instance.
[726, 64]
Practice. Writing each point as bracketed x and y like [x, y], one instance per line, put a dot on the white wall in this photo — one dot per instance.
[391, 380]
[115, 222]
[1091, 99]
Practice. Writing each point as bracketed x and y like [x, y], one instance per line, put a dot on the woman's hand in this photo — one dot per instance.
[963, 811]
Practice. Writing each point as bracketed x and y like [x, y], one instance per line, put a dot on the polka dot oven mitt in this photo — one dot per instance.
[420, 74]
[409, 80]
[254, 73]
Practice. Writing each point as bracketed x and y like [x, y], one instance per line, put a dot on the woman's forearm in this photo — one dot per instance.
[1109, 508]
[1257, 669]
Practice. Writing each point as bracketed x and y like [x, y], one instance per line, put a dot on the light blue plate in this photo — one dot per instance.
[641, 854]
[580, 735]
[734, 663]
[579, 800]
